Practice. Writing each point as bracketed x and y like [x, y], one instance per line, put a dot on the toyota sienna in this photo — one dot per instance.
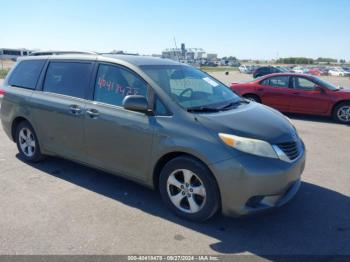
[158, 122]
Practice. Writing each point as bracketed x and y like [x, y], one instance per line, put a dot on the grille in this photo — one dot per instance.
[291, 149]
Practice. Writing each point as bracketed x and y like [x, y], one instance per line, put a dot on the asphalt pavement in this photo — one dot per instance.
[59, 207]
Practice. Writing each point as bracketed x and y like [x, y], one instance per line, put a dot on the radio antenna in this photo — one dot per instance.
[178, 58]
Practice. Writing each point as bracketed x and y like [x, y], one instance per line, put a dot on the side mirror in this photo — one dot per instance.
[136, 103]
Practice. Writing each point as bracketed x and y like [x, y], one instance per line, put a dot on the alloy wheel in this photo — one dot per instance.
[27, 142]
[344, 113]
[186, 191]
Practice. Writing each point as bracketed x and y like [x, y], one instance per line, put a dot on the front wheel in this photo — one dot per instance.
[188, 188]
[27, 143]
[341, 113]
[253, 98]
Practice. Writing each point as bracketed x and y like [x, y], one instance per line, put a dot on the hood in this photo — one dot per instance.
[343, 93]
[251, 120]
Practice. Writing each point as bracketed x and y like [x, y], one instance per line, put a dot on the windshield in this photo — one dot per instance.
[325, 84]
[190, 87]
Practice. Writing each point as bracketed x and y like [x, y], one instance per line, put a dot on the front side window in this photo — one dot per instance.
[324, 83]
[189, 87]
[279, 81]
[26, 74]
[303, 84]
[68, 78]
[114, 83]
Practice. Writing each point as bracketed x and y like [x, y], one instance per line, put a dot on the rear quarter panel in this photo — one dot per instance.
[15, 103]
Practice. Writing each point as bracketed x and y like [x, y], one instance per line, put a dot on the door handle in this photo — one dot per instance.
[296, 93]
[93, 113]
[74, 109]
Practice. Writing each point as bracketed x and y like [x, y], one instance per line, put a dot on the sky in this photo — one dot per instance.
[247, 29]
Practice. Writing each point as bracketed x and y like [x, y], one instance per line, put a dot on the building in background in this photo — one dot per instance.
[13, 54]
[196, 56]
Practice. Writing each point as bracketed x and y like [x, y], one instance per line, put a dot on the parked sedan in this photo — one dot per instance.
[346, 69]
[298, 93]
[266, 70]
[300, 70]
[246, 69]
[318, 71]
[338, 71]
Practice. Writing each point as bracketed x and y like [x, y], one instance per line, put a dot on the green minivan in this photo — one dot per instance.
[158, 122]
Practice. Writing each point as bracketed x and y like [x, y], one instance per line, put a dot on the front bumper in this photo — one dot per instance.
[251, 184]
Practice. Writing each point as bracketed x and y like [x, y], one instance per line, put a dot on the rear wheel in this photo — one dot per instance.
[189, 189]
[27, 143]
[341, 113]
[253, 98]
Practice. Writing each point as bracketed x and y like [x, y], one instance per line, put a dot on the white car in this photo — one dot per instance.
[338, 71]
[300, 70]
[246, 69]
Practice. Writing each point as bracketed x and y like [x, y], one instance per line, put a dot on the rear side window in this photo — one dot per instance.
[279, 81]
[68, 78]
[113, 83]
[26, 74]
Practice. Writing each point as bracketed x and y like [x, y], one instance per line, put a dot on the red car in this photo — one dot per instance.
[298, 93]
[318, 72]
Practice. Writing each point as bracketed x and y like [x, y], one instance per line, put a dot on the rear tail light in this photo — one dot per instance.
[2, 92]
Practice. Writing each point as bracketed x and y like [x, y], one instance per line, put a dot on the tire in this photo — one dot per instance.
[341, 113]
[199, 199]
[252, 97]
[27, 143]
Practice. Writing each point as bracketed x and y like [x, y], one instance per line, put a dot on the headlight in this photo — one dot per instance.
[248, 145]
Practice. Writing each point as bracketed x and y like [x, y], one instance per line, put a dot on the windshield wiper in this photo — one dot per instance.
[216, 109]
[202, 109]
[232, 104]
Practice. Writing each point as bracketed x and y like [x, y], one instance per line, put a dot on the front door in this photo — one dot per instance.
[118, 140]
[308, 98]
[275, 92]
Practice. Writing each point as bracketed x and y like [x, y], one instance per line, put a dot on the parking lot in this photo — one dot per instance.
[236, 76]
[59, 207]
